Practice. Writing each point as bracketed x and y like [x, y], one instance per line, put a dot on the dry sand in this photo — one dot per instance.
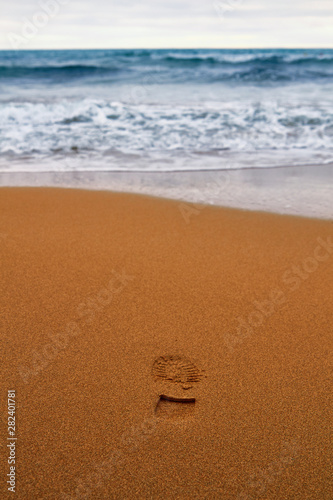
[110, 301]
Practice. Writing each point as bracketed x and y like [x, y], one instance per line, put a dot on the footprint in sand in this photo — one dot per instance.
[177, 377]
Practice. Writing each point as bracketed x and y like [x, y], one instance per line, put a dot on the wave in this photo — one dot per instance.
[311, 60]
[70, 71]
[242, 59]
[191, 60]
[171, 66]
[26, 128]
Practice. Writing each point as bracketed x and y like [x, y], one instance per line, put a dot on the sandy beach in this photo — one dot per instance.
[161, 349]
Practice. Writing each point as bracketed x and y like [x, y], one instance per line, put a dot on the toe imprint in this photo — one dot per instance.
[176, 369]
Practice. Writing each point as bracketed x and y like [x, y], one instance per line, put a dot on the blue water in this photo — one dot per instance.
[165, 109]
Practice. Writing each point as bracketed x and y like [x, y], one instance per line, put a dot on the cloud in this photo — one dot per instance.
[163, 23]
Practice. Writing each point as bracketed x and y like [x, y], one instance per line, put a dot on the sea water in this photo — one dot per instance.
[165, 110]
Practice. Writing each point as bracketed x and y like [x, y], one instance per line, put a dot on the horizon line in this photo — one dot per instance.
[167, 48]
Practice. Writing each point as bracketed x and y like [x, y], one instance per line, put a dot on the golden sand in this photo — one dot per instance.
[164, 350]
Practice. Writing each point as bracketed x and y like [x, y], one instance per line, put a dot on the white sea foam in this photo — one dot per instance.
[96, 129]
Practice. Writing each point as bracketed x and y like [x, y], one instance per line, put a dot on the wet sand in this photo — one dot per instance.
[161, 349]
[294, 190]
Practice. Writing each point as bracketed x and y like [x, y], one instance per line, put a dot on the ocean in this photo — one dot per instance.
[165, 110]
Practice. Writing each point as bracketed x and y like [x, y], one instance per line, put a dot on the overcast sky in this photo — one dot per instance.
[165, 23]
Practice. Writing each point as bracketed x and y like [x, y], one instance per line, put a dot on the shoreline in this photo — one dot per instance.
[302, 190]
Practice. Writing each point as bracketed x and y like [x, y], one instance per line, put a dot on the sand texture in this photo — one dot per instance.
[161, 350]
